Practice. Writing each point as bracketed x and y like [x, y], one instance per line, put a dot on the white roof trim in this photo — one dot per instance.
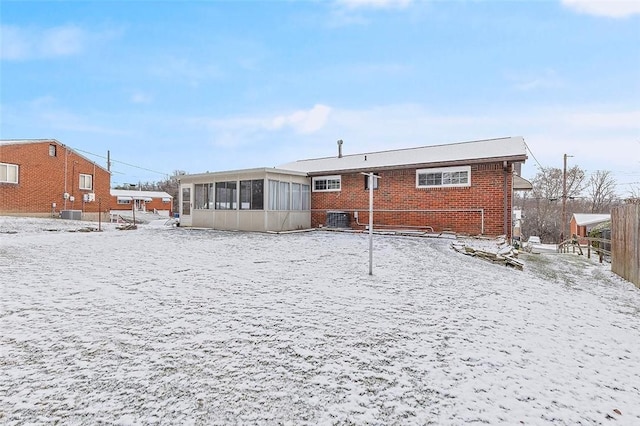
[139, 195]
[512, 148]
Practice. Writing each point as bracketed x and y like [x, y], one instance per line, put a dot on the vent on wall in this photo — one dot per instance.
[337, 219]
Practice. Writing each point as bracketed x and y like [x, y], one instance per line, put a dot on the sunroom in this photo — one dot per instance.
[262, 199]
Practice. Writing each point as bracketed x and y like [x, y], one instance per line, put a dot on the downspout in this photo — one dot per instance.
[505, 168]
[66, 154]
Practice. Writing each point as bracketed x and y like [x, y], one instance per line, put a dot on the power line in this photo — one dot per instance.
[534, 157]
[122, 162]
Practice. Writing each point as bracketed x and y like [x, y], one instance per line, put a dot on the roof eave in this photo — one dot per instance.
[509, 159]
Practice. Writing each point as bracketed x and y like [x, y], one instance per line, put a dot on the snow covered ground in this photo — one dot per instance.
[165, 325]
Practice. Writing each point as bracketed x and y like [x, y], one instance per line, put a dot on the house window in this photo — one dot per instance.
[226, 195]
[203, 196]
[86, 181]
[443, 177]
[279, 195]
[166, 200]
[124, 201]
[283, 196]
[8, 173]
[52, 150]
[300, 196]
[306, 197]
[375, 181]
[326, 183]
[252, 194]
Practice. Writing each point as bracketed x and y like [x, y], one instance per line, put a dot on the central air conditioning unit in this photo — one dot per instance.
[337, 219]
[71, 214]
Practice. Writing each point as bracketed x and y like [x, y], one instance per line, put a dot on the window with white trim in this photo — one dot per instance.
[86, 181]
[326, 183]
[8, 173]
[445, 177]
[124, 201]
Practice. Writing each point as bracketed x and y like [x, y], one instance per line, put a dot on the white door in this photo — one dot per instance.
[185, 205]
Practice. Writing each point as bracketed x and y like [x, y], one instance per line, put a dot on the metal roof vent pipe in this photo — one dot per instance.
[340, 148]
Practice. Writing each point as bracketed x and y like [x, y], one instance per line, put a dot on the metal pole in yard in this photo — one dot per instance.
[372, 179]
[370, 223]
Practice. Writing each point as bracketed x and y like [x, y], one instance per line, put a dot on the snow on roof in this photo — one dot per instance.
[26, 141]
[584, 219]
[512, 148]
[139, 195]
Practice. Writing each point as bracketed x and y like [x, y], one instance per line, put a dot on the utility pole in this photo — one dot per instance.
[564, 198]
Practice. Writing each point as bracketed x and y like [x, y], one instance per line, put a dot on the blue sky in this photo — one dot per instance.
[217, 85]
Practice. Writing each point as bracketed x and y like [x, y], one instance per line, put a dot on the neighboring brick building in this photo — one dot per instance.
[43, 177]
[582, 223]
[464, 187]
[158, 202]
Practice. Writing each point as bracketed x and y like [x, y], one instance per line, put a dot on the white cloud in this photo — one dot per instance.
[304, 121]
[18, 43]
[609, 8]
[377, 4]
[242, 131]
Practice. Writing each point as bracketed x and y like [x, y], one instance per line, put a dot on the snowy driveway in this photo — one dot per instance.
[177, 326]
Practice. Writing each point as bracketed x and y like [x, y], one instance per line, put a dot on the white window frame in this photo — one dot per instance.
[82, 184]
[445, 173]
[4, 177]
[327, 179]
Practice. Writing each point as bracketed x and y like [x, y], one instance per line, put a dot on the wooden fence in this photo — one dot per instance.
[600, 247]
[625, 242]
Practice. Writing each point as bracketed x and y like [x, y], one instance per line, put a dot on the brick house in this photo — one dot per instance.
[45, 178]
[158, 202]
[464, 187]
[582, 223]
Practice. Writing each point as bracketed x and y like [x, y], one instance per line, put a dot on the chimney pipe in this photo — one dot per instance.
[340, 148]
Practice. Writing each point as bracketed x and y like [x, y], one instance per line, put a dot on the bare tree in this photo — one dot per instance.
[542, 209]
[634, 192]
[601, 190]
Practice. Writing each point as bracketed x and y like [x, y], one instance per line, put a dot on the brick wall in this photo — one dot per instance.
[397, 202]
[43, 179]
